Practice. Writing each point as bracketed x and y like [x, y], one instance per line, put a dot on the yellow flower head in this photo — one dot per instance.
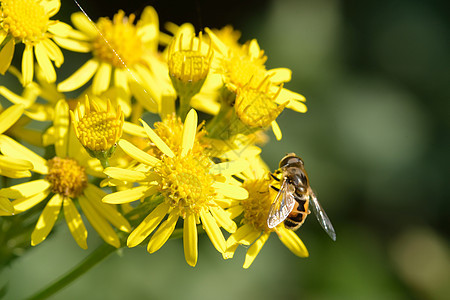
[254, 210]
[97, 130]
[65, 181]
[189, 184]
[28, 21]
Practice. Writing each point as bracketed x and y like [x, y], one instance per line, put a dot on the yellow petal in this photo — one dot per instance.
[291, 240]
[223, 219]
[134, 129]
[229, 167]
[109, 212]
[276, 130]
[24, 190]
[254, 249]
[280, 75]
[27, 65]
[190, 243]
[231, 191]
[80, 77]
[230, 252]
[144, 96]
[51, 7]
[6, 205]
[14, 174]
[102, 78]
[235, 211]
[213, 231]
[138, 154]
[61, 125]
[73, 45]
[163, 233]
[189, 132]
[10, 147]
[217, 43]
[124, 174]
[126, 196]
[75, 223]
[6, 55]
[99, 223]
[45, 62]
[46, 220]
[23, 204]
[9, 116]
[16, 99]
[245, 235]
[147, 225]
[53, 52]
[157, 140]
[81, 22]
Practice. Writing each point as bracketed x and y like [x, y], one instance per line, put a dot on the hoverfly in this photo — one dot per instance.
[292, 202]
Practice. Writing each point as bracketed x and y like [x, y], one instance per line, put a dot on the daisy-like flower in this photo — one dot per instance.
[254, 211]
[28, 21]
[124, 56]
[98, 130]
[66, 179]
[192, 188]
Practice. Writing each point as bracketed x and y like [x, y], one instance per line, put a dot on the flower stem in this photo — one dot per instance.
[94, 258]
[185, 105]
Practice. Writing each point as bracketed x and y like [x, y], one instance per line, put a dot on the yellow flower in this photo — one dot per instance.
[254, 211]
[98, 130]
[28, 21]
[191, 185]
[124, 56]
[65, 180]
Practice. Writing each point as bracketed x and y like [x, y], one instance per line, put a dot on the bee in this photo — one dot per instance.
[292, 203]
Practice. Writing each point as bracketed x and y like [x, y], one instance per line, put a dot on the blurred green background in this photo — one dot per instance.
[375, 142]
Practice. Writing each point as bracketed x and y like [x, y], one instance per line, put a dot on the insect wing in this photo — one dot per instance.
[322, 216]
[282, 205]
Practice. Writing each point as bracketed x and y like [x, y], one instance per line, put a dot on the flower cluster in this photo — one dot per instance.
[134, 182]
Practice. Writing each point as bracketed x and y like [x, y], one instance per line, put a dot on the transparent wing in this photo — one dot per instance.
[282, 205]
[322, 216]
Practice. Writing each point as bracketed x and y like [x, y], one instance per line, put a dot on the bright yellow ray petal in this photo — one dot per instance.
[61, 125]
[138, 154]
[102, 78]
[73, 45]
[163, 233]
[51, 7]
[144, 96]
[213, 231]
[23, 204]
[80, 77]
[45, 62]
[230, 252]
[14, 174]
[229, 167]
[148, 225]
[134, 129]
[9, 116]
[235, 211]
[6, 205]
[280, 75]
[6, 55]
[14, 98]
[276, 130]
[46, 220]
[81, 22]
[53, 52]
[157, 140]
[254, 249]
[218, 44]
[291, 240]
[11, 148]
[231, 191]
[124, 174]
[189, 131]
[245, 235]
[99, 223]
[223, 219]
[27, 65]
[126, 196]
[190, 243]
[75, 223]
[24, 190]
[109, 212]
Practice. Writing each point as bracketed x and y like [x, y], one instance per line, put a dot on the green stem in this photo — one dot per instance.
[185, 104]
[94, 258]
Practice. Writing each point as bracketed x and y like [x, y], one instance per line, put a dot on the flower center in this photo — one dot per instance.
[123, 37]
[24, 19]
[186, 182]
[239, 70]
[67, 177]
[257, 205]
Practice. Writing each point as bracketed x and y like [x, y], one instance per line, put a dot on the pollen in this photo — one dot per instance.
[66, 176]
[122, 36]
[186, 182]
[257, 205]
[256, 107]
[25, 20]
[189, 65]
[98, 130]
